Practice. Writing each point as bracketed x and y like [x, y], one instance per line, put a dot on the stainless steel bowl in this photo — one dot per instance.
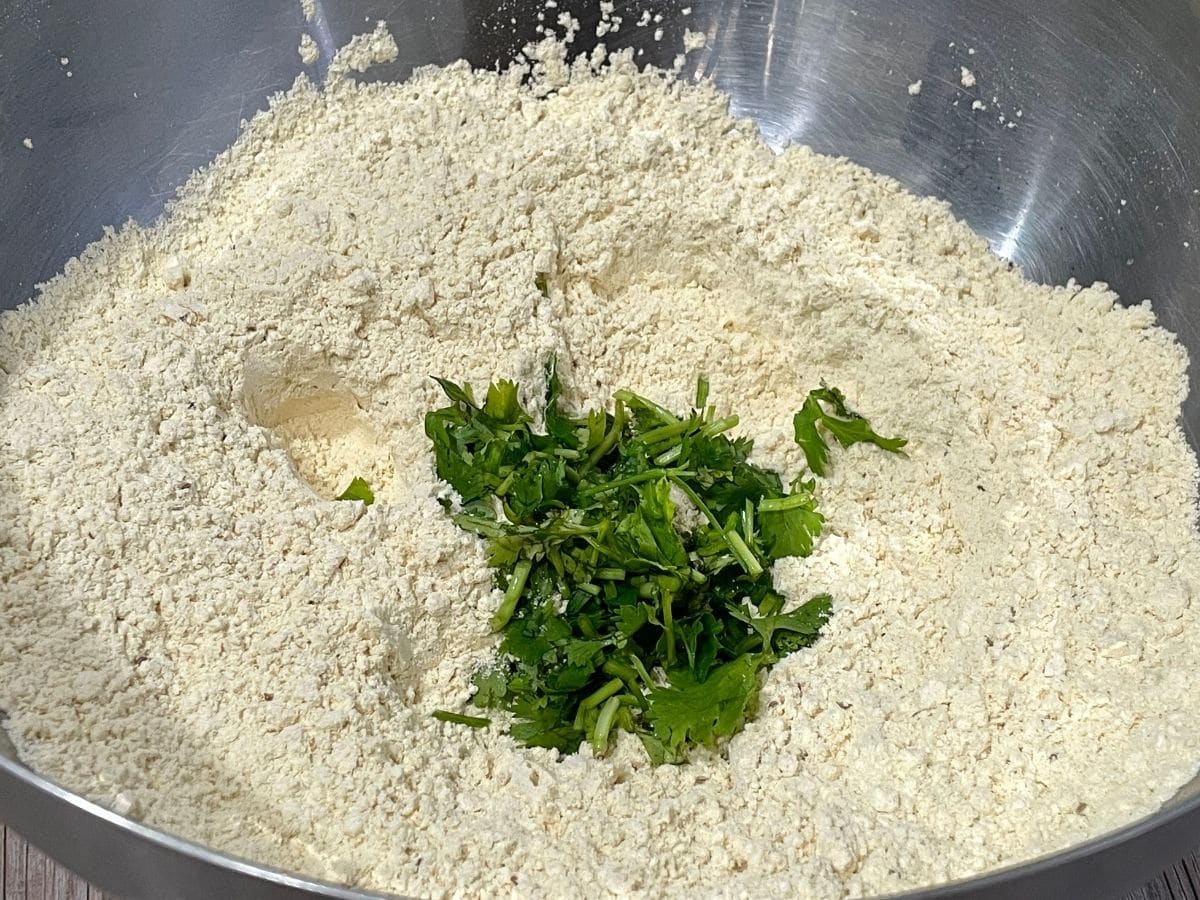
[1098, 179]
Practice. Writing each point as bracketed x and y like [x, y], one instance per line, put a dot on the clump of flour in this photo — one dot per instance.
[194, 632]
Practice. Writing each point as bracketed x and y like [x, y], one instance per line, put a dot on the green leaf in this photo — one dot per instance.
[491, 687]
[649, 531]
[583, 653]
[691, 712]
[358, 490]
[745, 482]
[847, 427]
[789, 525]
[538, 486]
[455, 392]
[453, 462]
[784, 633]
[564, 430]
[501, 403]
[804, 423]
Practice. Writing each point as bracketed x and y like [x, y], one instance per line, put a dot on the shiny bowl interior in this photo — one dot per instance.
[1085, 164]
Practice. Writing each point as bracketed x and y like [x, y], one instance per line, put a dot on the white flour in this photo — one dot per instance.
[195, 634]
[309, 51]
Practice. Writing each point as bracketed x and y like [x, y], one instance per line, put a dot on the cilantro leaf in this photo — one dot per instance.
[790, 524]
[847, 427]
[558, 426]
[358, 489]
[783, 633]
[501, 403]
[689, 712]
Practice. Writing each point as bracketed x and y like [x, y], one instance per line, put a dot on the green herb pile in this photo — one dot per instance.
[614, 616]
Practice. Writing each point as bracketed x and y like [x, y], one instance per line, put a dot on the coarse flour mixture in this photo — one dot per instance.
[195, 634]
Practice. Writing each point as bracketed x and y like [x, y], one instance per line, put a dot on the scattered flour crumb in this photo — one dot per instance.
[28, 142]
[693, 40]
[309, 9]
[967, 78]
[970, 51]
[309, 51]
[64, 60]
[915, 87]
[362, 52]
[658, 34]
[978, 105]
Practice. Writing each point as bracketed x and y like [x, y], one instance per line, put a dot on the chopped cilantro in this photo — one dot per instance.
[614, 616]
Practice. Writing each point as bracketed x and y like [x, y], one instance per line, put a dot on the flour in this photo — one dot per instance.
[309, 51]
[196, 634]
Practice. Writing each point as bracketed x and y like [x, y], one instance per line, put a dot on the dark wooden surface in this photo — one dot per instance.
[27, 874]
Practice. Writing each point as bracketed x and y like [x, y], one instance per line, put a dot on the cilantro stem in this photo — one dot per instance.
[669, 456]
[516, 585]
[502, 488]
[443, 715]
[712, 429]
[666, 432]
[640, 668]
[701, 391]
[639, 478]
[604, 724]
[627, 675]
[599, 696]
[743, 554]
[784, 504]
[668, 620]
[610, 439]
[737, 546]
[629, 398]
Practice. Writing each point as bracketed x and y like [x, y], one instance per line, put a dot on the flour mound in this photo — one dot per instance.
[195, 633]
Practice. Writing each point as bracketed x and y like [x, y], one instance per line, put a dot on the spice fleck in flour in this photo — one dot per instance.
[196, 634]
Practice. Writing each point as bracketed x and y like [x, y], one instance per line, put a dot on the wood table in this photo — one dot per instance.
[28, 874]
